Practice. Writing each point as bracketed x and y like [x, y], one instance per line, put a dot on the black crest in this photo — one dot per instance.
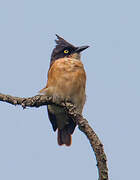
[61, 45]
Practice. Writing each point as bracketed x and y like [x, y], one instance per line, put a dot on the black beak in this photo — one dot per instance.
[80, 49]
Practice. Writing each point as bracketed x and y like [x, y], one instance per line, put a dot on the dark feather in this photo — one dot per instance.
[64, 135]
[52, 118]
[71, 126]
[62, 42]
[61, 45]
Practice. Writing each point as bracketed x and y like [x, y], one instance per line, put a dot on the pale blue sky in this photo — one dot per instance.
[28, 145]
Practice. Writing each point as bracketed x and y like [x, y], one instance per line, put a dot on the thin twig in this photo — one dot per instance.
[83, 125]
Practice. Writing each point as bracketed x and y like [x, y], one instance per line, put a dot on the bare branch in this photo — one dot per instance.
[83, 125]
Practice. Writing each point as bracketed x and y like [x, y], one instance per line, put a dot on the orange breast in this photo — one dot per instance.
[67, 78]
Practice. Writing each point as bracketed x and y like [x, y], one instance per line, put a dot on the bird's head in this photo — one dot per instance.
[65, 49]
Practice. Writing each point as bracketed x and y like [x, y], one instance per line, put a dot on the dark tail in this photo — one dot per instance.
[64, 135]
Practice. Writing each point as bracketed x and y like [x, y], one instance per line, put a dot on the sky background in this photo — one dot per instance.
[28, 145]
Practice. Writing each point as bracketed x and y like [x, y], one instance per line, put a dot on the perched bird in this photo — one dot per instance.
[66, 80]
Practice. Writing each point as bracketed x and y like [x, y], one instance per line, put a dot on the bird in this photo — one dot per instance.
[66, 80]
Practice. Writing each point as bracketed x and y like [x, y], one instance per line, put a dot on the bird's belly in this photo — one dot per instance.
[66, 80]
[68, 87]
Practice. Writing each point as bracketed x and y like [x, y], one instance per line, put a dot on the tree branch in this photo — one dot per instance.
[83, 125]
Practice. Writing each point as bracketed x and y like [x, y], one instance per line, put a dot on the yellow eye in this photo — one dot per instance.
[66, 51]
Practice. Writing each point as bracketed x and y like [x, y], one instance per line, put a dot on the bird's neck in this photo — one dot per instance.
[75, 56]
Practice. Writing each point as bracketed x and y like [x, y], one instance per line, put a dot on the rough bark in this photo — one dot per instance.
[82, 123]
